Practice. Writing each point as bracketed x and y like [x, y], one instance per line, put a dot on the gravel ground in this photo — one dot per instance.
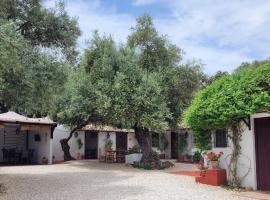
[90, 180]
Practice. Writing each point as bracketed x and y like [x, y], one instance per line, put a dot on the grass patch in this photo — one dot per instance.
[164, 165]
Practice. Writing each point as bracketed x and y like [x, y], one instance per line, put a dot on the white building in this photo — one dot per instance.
[93, 137]
[254, 163]
[24, 139]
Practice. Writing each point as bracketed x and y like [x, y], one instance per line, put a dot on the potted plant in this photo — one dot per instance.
[80, 145]
[108, 144]
[44, 160]
[163, 145]
[133, 155]
[182, 144]
[202, 169]
[214, 159]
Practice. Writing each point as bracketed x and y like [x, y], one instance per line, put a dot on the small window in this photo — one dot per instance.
[221, 138]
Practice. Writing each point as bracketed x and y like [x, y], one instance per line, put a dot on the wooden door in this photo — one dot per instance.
[91, 145]
[121, 141]
[174, 145]
[262, 142]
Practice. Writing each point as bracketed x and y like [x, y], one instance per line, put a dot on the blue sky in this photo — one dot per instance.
[221, 34]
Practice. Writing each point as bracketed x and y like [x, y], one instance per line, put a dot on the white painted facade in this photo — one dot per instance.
[247, 161]
[63, 132]
[42, 148]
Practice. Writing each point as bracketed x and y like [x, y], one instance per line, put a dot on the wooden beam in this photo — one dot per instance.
[247, 122]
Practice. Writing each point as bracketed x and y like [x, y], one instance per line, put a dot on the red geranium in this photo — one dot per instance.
[213, 156]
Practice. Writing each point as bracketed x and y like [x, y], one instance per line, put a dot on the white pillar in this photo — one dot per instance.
[50, 150]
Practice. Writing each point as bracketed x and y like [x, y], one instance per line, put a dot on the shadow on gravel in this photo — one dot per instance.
[69, 186]
[2, 188]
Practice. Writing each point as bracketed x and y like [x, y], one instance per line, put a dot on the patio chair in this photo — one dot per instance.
[18, 156]
[110, 157]
[5, 154]
[11, 156]
[120, 156]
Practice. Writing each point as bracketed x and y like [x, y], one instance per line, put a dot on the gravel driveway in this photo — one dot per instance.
[90, 180]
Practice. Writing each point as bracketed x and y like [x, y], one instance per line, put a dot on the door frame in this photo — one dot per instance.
[126, 136]
[97, 134]
[255, 135]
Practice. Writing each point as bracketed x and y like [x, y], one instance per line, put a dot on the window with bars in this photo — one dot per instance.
[221, 139]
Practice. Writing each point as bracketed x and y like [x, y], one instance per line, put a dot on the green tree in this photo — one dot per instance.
[42, 26]
[33, 69]
[133, 86]
[29, 78]
[227, 101]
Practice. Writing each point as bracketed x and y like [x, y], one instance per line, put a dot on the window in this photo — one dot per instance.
[221, 138]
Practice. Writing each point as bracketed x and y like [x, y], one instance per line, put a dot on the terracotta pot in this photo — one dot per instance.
[78, 156]
[215, 164]
[44, 161]
[200, 173]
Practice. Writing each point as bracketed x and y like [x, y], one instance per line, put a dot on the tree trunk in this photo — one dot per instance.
[149, 157]
[233, 166]
[65, 146]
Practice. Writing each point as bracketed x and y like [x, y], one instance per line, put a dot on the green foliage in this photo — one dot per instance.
[108, 144]
[139, 83]
[80, 144]
[182, 144]
[30, 78]
[230, 98]
[134, 149]
[42, 26]
[197, 157]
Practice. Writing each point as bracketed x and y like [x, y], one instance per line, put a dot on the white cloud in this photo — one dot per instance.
[144, 2]
[222, 33]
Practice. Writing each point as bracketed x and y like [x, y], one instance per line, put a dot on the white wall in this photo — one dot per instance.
[247, 161]
[132, 141]
[41, 148]
[102, 136]
[61, 132]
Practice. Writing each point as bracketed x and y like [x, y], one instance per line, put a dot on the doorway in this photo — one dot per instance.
[121, 141]
[174, 145]
[262, 145]
[91, 145]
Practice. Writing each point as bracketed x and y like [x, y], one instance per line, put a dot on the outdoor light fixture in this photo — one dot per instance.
[76, 134]
[108, 135]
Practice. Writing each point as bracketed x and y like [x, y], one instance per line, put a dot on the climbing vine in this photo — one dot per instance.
[233, 165]
[225, 102]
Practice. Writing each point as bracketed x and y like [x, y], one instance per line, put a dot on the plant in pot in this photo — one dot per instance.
[182, 144]
[202, 169]
[44, 160]
[163, 145]
[133, 155]
[80, 145]
[214, 159]
[108, 144]
[197, 157]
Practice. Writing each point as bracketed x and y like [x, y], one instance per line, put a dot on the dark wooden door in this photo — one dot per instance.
[174, 145]
[262, 142]
[121, 141]
[91, 145]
